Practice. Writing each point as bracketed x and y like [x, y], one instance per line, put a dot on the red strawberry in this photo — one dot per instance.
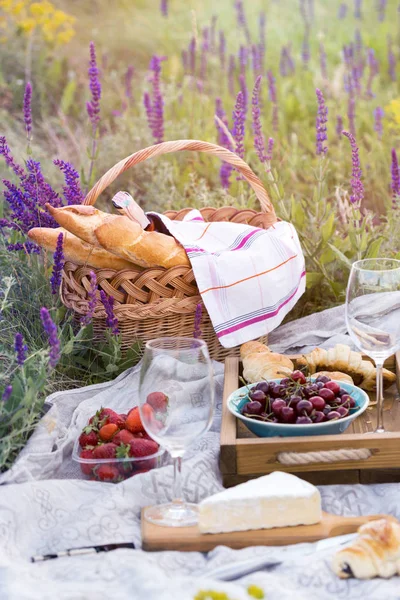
[86, 468]
[108, 473]
[134, 422]
[107, 415]
[107, 432]
[142, 466]
[123, 437]
[158, 401]
[105, 451]
[88, 439]
[142, 447]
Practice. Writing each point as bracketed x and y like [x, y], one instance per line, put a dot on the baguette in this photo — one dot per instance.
[79, 219]
[77, 251]
[127, 239]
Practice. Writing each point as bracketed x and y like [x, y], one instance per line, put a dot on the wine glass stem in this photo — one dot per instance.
[177, 488]
[379, 398]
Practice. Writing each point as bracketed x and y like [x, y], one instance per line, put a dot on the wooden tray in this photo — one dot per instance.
[244, 456]
[189, 539]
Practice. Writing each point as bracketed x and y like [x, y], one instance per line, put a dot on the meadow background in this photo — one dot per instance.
[162, 70]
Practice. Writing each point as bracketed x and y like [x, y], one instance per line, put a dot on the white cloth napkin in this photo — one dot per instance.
[249, 278]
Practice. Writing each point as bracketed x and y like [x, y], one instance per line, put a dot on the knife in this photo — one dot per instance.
[250, 565]
[82, 550]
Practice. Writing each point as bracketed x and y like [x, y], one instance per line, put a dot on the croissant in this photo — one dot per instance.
[336, 375]
[342, 358]
[260, 363]
[375, 553]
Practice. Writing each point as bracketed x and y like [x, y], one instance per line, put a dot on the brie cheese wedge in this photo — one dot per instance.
[275, 500]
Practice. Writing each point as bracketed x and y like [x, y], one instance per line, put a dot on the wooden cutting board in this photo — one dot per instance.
[189, 539]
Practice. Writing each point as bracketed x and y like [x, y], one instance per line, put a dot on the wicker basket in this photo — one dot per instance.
[158, 302]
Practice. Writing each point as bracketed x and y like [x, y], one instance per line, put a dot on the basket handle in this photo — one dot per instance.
[178, 145]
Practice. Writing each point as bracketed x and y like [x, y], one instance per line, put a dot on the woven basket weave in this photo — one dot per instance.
[158, 302]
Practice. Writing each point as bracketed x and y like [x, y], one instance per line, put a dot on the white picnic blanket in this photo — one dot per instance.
[249, 278]
[46, 507]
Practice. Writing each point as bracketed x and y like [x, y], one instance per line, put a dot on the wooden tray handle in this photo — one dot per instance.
[323, 456]
[177, 146]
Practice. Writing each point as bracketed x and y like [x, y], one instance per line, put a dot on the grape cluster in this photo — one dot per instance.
[296, 399]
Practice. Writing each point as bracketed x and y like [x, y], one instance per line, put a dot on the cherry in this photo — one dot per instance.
[257, 395]
[263, 386]
[333, 415]
[333, 386]
[299, 377]
[327, 394]
[294, 400]
[277, 391]
[318, 402]
[304, 406]
[287, 414]
[343, 412]
[277, 406]
[318, 417]
[253, 408]
[322, 379]
[303, 420]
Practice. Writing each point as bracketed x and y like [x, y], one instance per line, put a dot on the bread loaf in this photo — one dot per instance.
[127, 239]
[260, 363]
[77, 251]
[120, 236]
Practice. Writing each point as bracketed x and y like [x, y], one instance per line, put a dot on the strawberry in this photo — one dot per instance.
[89, 438]
[107, 432]
[123, 416]
[148, 412]
[86, 468]
[108, 473]
[105, 451]
[107, 415]
[142, 466]
[123, 437]
[158, 401]
[134, 422]
[142, 447]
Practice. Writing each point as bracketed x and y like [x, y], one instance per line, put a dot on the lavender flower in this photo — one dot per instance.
[391, 61]
[155, 105]
[58, 265]
[28, 110]
[395, 176]
[259, 142]
[358, 45]
[378, 125]
[164, 8]
[242, 21]
[322, 60]
[373, 71]
[242, 56]
[320, 125]
[231, 73]
[111, 319]
[342, 11]
[197, 333]
[50, 329]
[10, 162]
[381, 10]
[243, 89]
[223, 140]
[256, 59]
[273, 99]
[212, 33]
[20, 349]
[305, 49]
[72, 189]
[92, 300]
[222, 49]
[239, 117]
[270, 148]
[192, 56]
[339, 125]
[7, 393]
[357, 9]
[356, 183]
[93, 107]
[261, 43]
[128, 82]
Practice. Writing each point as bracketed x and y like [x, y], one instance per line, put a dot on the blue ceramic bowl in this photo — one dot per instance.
[263, 429]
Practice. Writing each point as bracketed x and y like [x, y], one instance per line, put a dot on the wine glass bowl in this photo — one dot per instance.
[176, 403]
[373, 314]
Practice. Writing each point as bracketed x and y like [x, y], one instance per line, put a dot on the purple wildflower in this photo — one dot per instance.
[10, 162]
[378, 125]
[274, 100]
[339, 125]
[322, 60]
[391, 61]
[239, 117]
[255, 53]
[192, 56]
[92, 299]
[28, 110]
[93, 107]
[241, 19]
[305, 49]
[356, 183]
[357, 9]
[164, 8]
[259, 142]
[373, 71]
[342, 11]
[72, 189]
[128, 82]
[358, 45]
[50, 329]
[242, 56]
[7, 393]
[270, 148]
[395, 177]
[222, 49]
[111, 319]
[213, 32]
[20, 349]
[197, 333]
[320, 124]
[261, 43]
[27, 247]
[223, 140]
[231, 73]
[155, 105]
[58, 265]
[243, 89]
[381, 10]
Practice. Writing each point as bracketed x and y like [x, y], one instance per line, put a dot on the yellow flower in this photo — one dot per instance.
[17, 8]
[27, 25]
[65, 36]
[255, 592]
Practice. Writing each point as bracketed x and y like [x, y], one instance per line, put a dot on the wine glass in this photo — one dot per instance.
[176, 403]
[373, 315]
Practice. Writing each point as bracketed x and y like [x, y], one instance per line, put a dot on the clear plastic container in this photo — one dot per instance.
[115, 470]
